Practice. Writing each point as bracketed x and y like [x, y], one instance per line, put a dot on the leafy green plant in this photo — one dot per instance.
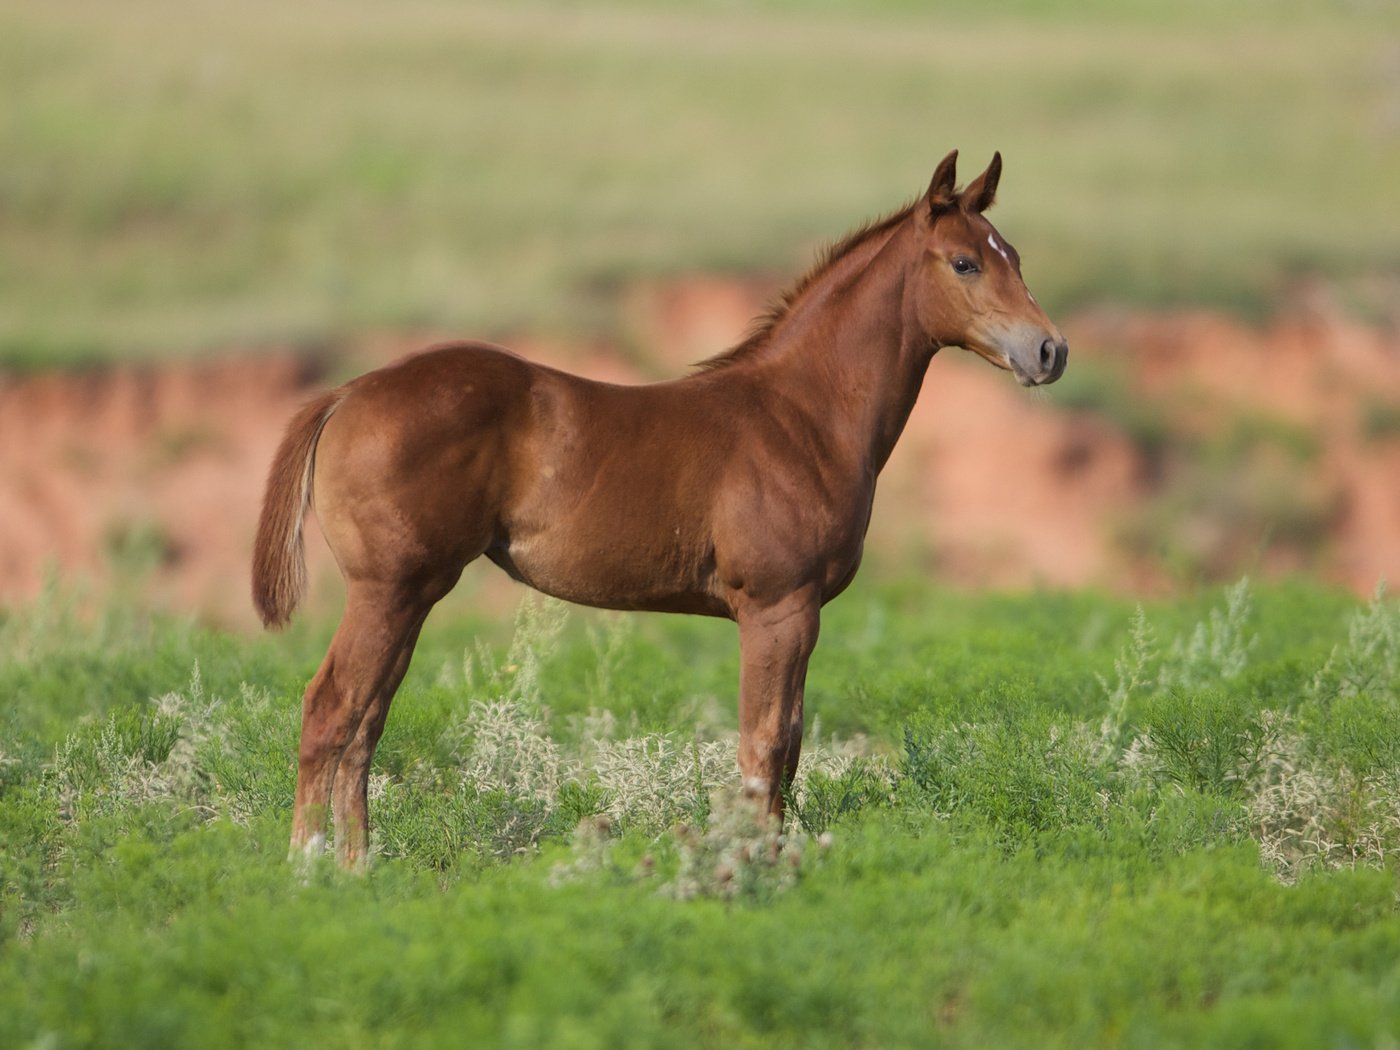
[1206, 741]
[828, 799]
[1022, 776]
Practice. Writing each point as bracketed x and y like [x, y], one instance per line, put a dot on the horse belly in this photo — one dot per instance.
[612, 569]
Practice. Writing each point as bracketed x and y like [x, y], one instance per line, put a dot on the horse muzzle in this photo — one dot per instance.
[1044, 364]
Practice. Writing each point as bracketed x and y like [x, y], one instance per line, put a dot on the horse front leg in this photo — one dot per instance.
[775, 643]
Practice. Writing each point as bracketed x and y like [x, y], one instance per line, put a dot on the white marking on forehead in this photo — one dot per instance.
[991, 239]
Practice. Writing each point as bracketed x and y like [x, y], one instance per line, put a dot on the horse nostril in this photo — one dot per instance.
[1047, 355]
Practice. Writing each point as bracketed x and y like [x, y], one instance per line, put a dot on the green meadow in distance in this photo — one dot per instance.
[183, 178]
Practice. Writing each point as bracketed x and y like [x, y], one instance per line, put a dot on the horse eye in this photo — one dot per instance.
[962, 264]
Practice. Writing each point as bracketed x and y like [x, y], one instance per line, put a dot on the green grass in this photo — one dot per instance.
[1040, 820]
[181, 178]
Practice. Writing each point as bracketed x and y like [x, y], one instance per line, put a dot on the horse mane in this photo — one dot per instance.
[763, 326]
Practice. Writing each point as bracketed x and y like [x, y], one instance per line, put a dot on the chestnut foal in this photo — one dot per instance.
[742, 490]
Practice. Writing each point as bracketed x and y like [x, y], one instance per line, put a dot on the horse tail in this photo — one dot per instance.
[279, 562]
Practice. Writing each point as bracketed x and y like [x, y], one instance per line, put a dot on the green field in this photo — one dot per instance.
[1046, 820]
[1035, 820]
[182, 177]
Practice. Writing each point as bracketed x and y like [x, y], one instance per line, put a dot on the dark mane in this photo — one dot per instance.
[763, 325]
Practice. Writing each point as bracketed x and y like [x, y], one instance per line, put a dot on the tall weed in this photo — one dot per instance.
[1368, 662]
[1218, 648]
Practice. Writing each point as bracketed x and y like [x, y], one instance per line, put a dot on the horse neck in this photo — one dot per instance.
[841, 354]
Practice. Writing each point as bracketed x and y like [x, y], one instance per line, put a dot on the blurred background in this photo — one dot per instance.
[208, 210]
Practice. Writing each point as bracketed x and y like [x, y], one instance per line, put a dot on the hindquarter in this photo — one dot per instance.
[414, 466]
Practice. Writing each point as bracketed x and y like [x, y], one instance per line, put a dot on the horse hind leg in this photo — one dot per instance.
[367, 650]
[350, 797]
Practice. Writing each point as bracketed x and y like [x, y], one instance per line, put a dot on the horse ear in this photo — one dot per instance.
[982, 191]
[940, 196]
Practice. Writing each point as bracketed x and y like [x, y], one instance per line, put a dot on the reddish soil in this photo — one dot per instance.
[1151, 474]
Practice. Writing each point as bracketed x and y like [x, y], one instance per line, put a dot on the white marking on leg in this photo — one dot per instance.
[305, 859]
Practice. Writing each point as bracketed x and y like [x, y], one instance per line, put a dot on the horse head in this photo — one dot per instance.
[967, 288]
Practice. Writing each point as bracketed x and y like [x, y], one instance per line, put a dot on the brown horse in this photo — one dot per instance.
[742, 490]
